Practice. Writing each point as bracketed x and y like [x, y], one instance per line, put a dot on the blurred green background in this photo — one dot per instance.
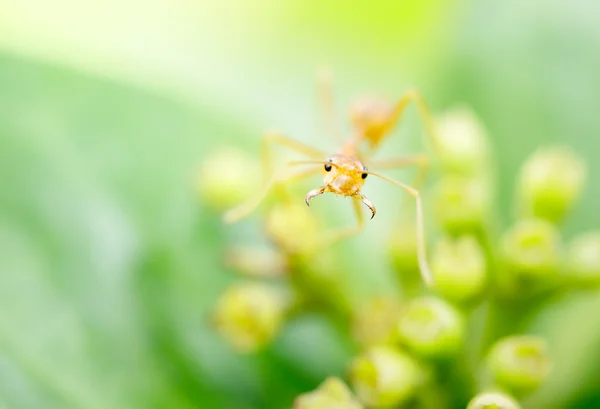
[108, 261]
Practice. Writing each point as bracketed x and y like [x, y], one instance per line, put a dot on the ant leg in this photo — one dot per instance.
[421, 247]
[344, 233]
[422, 109]
[326, 104]
[247, 207]
[419, 160]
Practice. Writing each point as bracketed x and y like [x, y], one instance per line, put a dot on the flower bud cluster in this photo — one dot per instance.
[412, 345]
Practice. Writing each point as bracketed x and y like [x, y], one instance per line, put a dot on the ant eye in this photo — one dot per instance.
[364, 175]
[328, 166]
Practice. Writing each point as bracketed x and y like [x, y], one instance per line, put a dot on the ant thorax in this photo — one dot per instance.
[345, 175]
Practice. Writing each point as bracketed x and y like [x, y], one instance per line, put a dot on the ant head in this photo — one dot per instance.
[344, 175]
[372, 117]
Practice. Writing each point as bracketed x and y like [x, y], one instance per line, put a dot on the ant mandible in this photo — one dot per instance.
[344, 173]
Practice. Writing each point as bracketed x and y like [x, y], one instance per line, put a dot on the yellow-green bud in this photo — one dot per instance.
[532, 248]
[459, 268]
[293, 228]
[228, 177]
[493, 400]
[431, 328]
[250, 315]
[462, 204]
[550, 182]
[584, 258]
[519, 364]
[462, 142]
[384, 376]
[375, 322]
[332, 393]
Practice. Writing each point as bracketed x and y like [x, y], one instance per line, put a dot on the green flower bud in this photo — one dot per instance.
[493, 400]
[459, 268]
[293, 228]
[250, 315]
[431, 328]
[462, 142]
[227, 178]
[519, 364]
[462, 204]
[550, 182]
[532, 249]
[332, 393]
[375, 322]
[584, 258]
[256, 261]
[383, 376]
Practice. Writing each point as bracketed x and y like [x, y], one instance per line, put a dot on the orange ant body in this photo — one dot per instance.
[345, 173]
